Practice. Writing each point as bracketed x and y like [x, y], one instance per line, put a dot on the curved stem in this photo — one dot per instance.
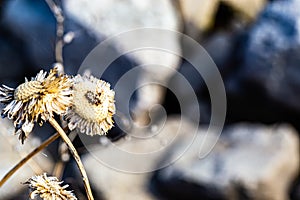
[28, 157]
[73, 151]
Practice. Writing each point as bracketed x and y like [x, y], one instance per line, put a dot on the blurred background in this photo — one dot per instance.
[256, 47]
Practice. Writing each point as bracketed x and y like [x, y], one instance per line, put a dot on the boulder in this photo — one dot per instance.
[34, 24]
[135, 27]
[271, 56]
[250, 161]
[122, 170]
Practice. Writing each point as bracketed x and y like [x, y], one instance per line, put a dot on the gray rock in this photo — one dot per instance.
[122, 170]
[114, 17]
[248, 162]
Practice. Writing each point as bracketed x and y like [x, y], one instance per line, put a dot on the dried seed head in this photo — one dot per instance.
[36, 100]
[28, 90]
[93, 106]
[49, 188]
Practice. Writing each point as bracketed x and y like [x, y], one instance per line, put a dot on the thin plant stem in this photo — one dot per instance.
[59, 17]
[74, 153]
[59, 169]
[28, 157]
[64, 156]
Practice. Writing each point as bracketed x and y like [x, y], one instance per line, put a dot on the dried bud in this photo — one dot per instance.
[93, 106]
[49, 188]
[36, 100]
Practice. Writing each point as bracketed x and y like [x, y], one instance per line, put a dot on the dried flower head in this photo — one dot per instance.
[49, 188]
[93, 106]
[36, 100]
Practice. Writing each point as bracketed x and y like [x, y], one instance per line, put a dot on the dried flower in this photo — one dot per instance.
[49, 188]
[36, 100]
[93, 106]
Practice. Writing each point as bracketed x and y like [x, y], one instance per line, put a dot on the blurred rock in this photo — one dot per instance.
[295, 192]
[113, 17]
[11, 152]
[34, 24]
[249, 8]
[122, 170]
[12, 61]
[221, 46]
[201, 15]
[271, 58]
[248, 162]
[219, 51]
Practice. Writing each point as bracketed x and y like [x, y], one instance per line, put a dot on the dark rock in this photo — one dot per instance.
[12, 62]
[248, 162]
[262, 83]
[221, 47]
[295, 192]
[34, 24]
[272, 55]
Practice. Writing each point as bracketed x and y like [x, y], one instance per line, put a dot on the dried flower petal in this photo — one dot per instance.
[49, 188]
[36, 100]
[93, 106]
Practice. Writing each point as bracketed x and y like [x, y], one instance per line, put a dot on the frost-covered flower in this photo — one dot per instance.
[36, 100]
[93, 106]
[49, 188]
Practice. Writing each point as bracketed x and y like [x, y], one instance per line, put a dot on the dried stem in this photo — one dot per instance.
[73, 151]
[58, 169]
[28, 157]
[64, 157]
[59, 17]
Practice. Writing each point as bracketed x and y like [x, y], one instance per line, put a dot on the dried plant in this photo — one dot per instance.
[49, 188]
[93, 106]
[36, 100]
[86, 103]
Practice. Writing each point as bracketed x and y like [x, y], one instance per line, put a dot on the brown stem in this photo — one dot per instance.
[28, 157]
[73, 151]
